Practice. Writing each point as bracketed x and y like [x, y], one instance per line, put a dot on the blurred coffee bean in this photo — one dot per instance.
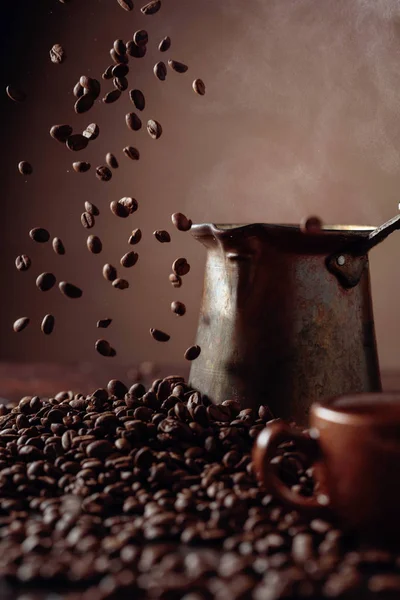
[25, 168]
[111, 161]
[181, 222]
[138, 99]
[70, 290]
[162, 236]
[81, 167]
[178, 308]
[104, 323]
[175, 280]
[47, 325]
[159, 336]
[199, 87]
[15, 94]
[103, 173]
[77, 142]
[154, 129]
[57, 54]
[131, 152]
[120, 284]
[135, 237]
[87, 220]
[92, 132]
[133, 122]
[151, 8]
[91, 209]
[23, 262]
[192, 353]
[45, 282]
[160, 71]
[129, 259]
[180, 267]
[177, 66]
[165, 44]
[20, 324]
[111, 97]
[109, 272]
[94, 244]
[58, 246]
[38, 234]
[141, 37]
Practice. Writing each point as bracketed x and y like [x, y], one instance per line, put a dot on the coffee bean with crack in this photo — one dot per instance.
[21, 324]
[91, 209]
[177, 66]
[178, 308]
[162, 236]
[160, 70]
[92, 132]
[77, 142]
[129, 259]
[70, 290]
[199, 87]
[120, 83]
[39, 234]
[112, 161]
[131, 152]
[23, 262]
[141, 37]
[159, 336]
[192, 353]
[138, 99]
[81, 166]
[103, 173]
[154, 129]
[181, 267]
[135, 51]
[94, 244]
[61, 132]
[47, 325]
[108, 72]
[25, 168]
[133, 122]
[165, 44]
[181, 222]
[120, 284]
[103, 323]
[111, 97]
[45, 281]
[175, 280]
[135, 237]
[126, 4]
[151, 8]
[109, 272]
[57, 54]
[83, 104]
[87, 220]
[103, 347]
[58, 246]
[15, 94]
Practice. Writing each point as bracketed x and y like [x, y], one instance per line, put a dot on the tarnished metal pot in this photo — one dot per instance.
[286, 316]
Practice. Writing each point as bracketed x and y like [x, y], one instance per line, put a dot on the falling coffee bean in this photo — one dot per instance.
[91, 85]
[181, 267]
[25, 168]
[120, 284]
[160, 71]
[126, 4]
[178, 308]
[133, 122]
[23, 262]
[118, 58]
[81, 167]
[111, 97]
[45, 282]
[103, 347]
[130, 204]
[38, 234]
[120, 70]
[103, 173]
[165, 44]
[94, 244]
[87, 220]
[91, 209]
[162, 236]
[154, 129]
[92, 132]
[199, 87]
[83, 104]
[177, 66]
[141, 37]
[47, 325]
[118, 209]
[119, 47]
[61, 132]
[151, 8]
[111, 161]
[181, 222]
[192, 353]
[108, 72]
[58, 246]
[77, 142]
[159, 336]
[109, 272]
[175, 280]
[135, 237]
[120, 83]
[78, 90]
[104, 323]
[131, 152]
[135, 51]
[138, 99]
[57, 54]
[70, 290]
[21, 324]
[15, 94]
[129, 259]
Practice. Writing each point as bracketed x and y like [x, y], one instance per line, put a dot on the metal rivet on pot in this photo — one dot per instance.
[341, 260]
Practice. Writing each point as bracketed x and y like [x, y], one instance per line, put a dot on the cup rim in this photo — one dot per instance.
[326, 410]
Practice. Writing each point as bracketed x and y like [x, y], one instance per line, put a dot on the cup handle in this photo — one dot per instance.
[276, 433]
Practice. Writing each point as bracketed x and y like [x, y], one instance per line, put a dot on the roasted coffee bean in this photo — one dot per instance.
[120, 70]
[92, 132]
[103, 173]
[111, 96]
[181, 267]
[129, 259]
[199, 87]
[61, 132]
[181, 222]
[120, 284]
[20, 324]
[134, 50]
[133, 122]
[120, 83]
[108, 73]
[78, 90]
[165, 44]
[131, 152]
[111, 161]
[47, 325]
[38, 234]
[25, 168]
[178, 308]
[177, 66]
[90, 84]
[83, 104]
[154, 129]
[58, 246]
[118, 58]
[103, 347]
[45, 282]
[192, 353]
[160, 70]
[118, 209]
[87, 220]
[81, 167]
[126, 4]
[130, 204]
[135, 237]
[77, 142]
[159, 336]
[104, 323]
[141, 37]
[138, 99]
[109, 272]
[91, 209]
[151, 8]
[23, 262]
[15, 94]
[119, 47]
[175, 280]
[162, 236]
[94, 244]
[70, 290]
[57, 54]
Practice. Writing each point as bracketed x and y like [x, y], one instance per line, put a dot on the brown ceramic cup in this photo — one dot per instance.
[354, 445]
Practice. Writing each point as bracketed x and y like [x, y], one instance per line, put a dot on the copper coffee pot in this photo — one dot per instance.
[286, 316]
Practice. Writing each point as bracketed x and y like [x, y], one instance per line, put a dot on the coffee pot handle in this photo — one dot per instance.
[276, 433]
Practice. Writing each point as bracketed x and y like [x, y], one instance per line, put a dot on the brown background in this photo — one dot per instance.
[302, 115]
